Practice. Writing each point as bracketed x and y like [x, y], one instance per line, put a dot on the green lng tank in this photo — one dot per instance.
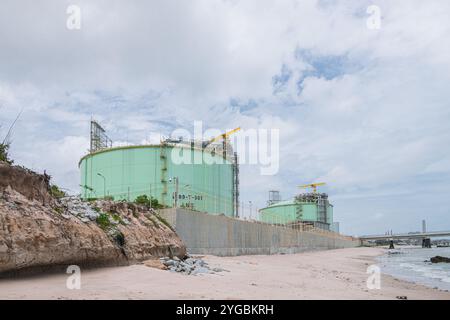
[312, 212]
[206, 177]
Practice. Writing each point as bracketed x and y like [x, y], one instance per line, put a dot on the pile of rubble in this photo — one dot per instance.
[78, 208]
[87, 212]
[189, 265]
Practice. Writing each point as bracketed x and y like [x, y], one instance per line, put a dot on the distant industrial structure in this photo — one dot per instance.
[126, 172]
[308, 209]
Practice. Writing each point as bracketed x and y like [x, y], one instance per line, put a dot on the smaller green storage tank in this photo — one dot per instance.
[290, 211]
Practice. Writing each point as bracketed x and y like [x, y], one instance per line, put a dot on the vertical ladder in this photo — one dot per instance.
[163, 157]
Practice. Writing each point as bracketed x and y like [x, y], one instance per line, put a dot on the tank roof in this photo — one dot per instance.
[286, 203]
[209, 149]
[281, 203]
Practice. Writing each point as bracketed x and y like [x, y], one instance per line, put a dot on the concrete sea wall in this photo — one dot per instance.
[224, 236]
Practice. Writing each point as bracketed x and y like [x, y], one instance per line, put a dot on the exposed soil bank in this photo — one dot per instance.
[39, 232]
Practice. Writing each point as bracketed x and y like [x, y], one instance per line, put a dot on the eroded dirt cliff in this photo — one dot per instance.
[39, 232]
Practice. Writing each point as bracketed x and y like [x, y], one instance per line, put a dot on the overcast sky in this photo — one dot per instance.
[365, 110]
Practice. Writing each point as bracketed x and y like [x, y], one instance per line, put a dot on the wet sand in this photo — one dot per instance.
[333, 274]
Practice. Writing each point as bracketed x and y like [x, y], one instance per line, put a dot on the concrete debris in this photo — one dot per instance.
[189, 266]
[80, 209]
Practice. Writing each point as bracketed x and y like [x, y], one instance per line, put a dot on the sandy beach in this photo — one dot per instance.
[334, 274]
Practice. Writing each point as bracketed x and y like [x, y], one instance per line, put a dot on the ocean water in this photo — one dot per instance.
[409, 264]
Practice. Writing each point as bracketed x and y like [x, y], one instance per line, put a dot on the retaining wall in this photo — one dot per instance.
[224, 236]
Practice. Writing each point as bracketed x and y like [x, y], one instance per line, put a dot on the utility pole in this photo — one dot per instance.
[150, 196]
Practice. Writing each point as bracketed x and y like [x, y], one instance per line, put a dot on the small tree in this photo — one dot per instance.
[148, 202]
[4, 153]
[156, 204]
[142, 199]
[56, 192]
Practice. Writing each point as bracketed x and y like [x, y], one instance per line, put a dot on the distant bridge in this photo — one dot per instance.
[411, 235]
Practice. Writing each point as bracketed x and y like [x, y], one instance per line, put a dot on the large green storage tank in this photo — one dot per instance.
[290, 211]
[127, 172]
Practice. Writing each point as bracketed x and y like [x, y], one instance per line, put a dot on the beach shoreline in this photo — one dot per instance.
[331, 274]
[413, 264]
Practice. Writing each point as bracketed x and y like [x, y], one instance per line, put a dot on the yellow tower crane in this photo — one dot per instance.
[313, 186]
[223, 136]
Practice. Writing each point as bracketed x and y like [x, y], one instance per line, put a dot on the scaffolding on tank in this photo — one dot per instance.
[99, 140]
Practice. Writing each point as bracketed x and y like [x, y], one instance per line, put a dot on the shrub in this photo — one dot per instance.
[156, 204]
[115, 216]
[148, 202]
[58, 210]
[56, 192]
[103, 221]
[4, 153]
[143, 200]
